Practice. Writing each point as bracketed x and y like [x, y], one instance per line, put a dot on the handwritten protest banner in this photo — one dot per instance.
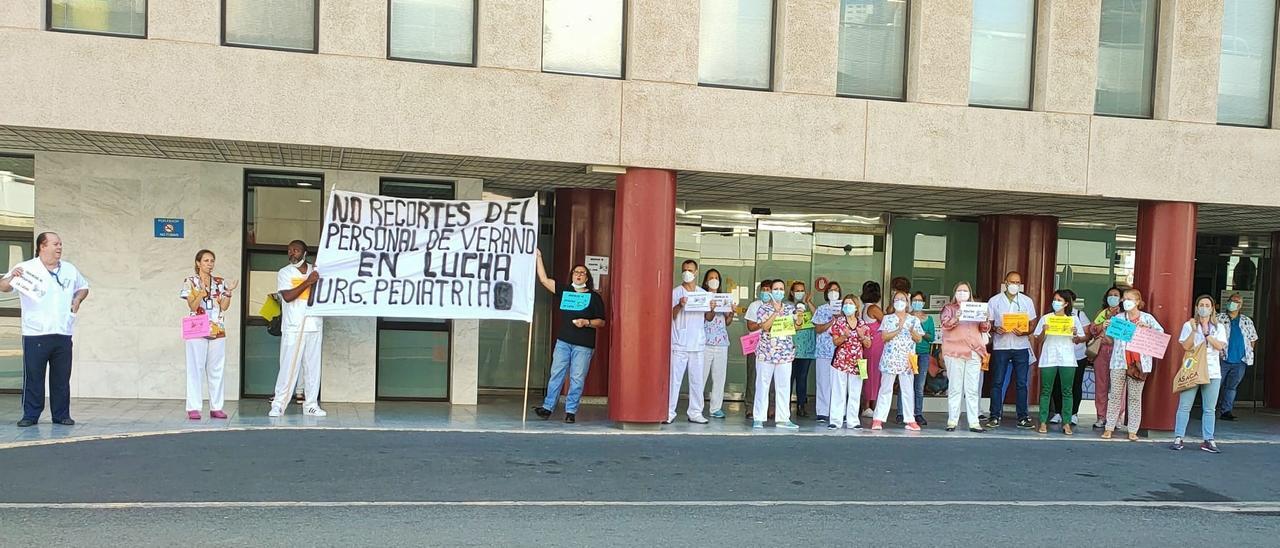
[574, 301]
[1060, 325]
[420, 258]
[974, 311]
[29, 284]
[697, 302]
[722, 302]
[1121, 329]
[1016, 321]
[783, 326]
[749, 343]
[1148, 342]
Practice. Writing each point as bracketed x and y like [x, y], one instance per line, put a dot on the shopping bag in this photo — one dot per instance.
[1194, 370]
[914, 360]
[195, 327]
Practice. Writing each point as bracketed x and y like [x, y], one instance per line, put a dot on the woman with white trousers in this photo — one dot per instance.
[900, 332]
[823, 319]
[851, 339]
[774, 355]
[206, 294]
[963, 349]
[716, 354]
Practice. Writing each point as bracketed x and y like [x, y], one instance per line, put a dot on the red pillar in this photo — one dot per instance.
[1029, 245]
[644, 230]
[584, 226]
[1270, 343]
[1164, 270]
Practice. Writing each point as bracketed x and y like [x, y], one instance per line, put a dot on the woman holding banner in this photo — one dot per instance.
[1129, 370]
[1102, 361]
[1202, 331]
[778, 321]
[207, 295]
[964, 348]
[581, 313]
[715, 359]
[1058, 334]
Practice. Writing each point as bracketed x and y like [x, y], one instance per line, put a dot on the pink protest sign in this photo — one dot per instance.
[1149, 342]
[195, 327]
[749, 343]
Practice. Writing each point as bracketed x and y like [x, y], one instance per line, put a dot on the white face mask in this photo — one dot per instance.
[578, 285]
[962, 296]
[899, 305]
[1013, 289]
[1129, 304]
[713, 284]
[833, 296]
[688, 276]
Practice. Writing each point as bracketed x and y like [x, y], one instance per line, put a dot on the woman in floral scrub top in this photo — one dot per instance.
[901, 331]
[847, 364]
[773, 358]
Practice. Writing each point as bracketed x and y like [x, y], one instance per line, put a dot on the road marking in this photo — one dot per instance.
[1212, 506]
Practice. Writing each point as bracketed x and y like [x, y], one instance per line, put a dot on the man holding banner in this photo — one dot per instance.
[689, 305]
[300, 334]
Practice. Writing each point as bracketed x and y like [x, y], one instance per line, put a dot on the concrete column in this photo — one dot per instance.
[349, 351]
[806, 48]
[354, 27]
[1066, 60]
[510, 34]
[1189, 46]
[584, 226]
[464, 342]
[1163, 271]
[1270, 343]
[23, 14]
[1275, 97]
[938, 52]
[185, 21]
[662, 40]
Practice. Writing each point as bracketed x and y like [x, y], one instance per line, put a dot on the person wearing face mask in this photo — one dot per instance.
[1057, 357]
[1203, 329]
[872, 315]
[1102, 362]
[850, 340]
[774, 356]
[805, 341]
[900, 332]
[300, 334]
[825, 352]
[1010, 350]
[763, 295]
[924, 350]
[1081, 355]
[716, 357]
[1238, 354]
[1121, 381]
[963, 349]
[688, 342]
[575, 339]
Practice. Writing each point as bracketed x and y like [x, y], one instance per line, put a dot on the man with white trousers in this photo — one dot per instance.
[300, 334]
[688, 343]
[822, 320]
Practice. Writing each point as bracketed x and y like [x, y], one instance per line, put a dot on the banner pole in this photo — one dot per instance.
[528, 360]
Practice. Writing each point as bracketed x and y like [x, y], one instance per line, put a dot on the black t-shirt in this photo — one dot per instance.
[572, 334]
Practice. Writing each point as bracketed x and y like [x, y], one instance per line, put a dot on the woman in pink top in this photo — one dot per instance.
[871, 316]
[964, 348]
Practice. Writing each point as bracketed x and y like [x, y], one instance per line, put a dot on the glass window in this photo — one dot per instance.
[17, 219]
[873, 49]
[282, 208]
[119, 17]
[441, 31]
[582, 37]
[1000, 53]
[735, 43]
[1244, 76]
[274, 24]
[1126, 58]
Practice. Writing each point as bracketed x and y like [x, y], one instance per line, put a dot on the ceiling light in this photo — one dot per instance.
[304, 201]
[612, 170]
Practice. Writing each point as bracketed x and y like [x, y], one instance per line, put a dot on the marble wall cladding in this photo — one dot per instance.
[127, 341]
[1066, 51]
[806, 52]
[354, 27]
[464, 344]
[22, 14]
[350, 346]
[186, 21]
[510, 34]
[938, 52]
[662, 40]
[1187, 57]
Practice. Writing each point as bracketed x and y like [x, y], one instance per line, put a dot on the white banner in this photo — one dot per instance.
[416, 258]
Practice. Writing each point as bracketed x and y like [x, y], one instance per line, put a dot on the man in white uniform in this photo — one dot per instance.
[51, 292]
[300, 334]
[688, 340]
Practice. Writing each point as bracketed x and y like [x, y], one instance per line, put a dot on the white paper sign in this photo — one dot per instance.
[697, 302]
[417, 258]
[30, 285]
[598, 266]
[936, 302]
[722, 302]
[973, 311]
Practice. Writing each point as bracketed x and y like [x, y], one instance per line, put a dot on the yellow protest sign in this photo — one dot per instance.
[1016, 321]
[1060, 325]
[783, 326]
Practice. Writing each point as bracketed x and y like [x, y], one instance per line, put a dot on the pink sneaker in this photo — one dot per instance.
[218, 414]
[913, 427]
[877, 425]
[193, 415]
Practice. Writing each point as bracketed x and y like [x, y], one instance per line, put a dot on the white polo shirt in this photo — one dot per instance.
[50, 315]
[1000, 305]
[687, 332]
[292, 314]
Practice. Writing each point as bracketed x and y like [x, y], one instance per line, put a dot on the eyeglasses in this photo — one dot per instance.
[579, 272]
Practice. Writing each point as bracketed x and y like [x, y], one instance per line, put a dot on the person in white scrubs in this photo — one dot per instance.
[209, 295]
[823, 317]
[300, 334]
[851, 339]
[688, 343]
[900, 332]
[774, 355]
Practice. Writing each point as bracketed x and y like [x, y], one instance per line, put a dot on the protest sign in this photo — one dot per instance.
[29, 284]
[574, 301]
[1060, 325]
[722, 302]
[783, 326]
[749, 343]
[1121, 329]
[421, 258]
[974, 311]
[1016, 321]
[697, 302]
[1148, 342]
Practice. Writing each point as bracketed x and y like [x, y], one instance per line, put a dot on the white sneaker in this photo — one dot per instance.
[868, 413]
[315, 411]
[275, 412]
[1075, 419]
[1057, 419]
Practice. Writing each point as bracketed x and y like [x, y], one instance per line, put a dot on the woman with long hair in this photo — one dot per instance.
[716, 356]
[963, 349]
[900, 332]
[1202, 329]
[208, 295]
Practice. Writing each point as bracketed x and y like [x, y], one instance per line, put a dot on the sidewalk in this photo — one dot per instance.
[98, 418]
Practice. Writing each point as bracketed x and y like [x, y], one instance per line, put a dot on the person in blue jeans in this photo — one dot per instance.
[1238, 355]
[1011, 348]
[924, 351]
[580, 311]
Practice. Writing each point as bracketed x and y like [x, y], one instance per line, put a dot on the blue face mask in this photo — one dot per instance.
[1113, 301]
[765, 296]
[848, 309]
[917, 306]
[1058, 306]
[778, 294]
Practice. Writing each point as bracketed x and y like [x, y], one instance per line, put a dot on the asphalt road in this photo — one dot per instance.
[680, 490]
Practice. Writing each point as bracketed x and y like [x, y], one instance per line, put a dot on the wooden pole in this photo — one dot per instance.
[528, 360]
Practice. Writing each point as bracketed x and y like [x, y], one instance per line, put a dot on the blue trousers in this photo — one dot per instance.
[571, 359]
[1019, 360]
[1208, 397]
[53, 352]
[800, 378]
[923, 360]
[1232, 374]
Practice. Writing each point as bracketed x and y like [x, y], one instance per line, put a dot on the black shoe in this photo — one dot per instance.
[570, 418]
[539, 411]
[977, 430]
[748, 415]
[920, 420]
[982, 417]
[994, 422]
[1026, 423]
[822, 418]
[951, 429]
[801, 412]
[65, 422]
[832, 427]
[898, 419]
[1227, 416]
[26, 422]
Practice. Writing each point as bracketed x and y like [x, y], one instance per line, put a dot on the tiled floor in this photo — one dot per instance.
[119, 417]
